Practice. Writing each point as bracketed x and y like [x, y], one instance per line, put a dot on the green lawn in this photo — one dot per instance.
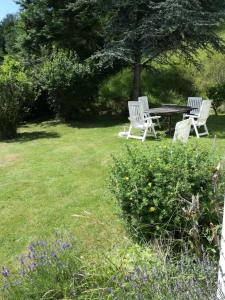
[53, 171]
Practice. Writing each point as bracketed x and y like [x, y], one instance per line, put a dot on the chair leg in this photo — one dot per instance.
[153, 130]
[158, 123]
[206, 129]
[145, 134]
[196, 131]
[129, 131]
[195, 128]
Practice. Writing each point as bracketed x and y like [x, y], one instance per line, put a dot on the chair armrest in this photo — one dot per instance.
[146, 112]
[148, 119]
[155, 117]
[192, 116]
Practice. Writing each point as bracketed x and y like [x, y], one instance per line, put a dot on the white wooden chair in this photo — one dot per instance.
[201, 119]
[182, 131]
[144, 101]
[196, 103]
[139, 121]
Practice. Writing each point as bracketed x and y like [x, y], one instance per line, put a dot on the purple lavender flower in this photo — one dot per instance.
[22, 272]
[145, 278]
[5, 272]
[42, 243]
[4, 284]
[65, 246]
[33, 266]
[31, 248]
[108, 290]
[42, 257]
[138, 271]
[32, 253]
[128, 277]
[53, 254]
[22, 260]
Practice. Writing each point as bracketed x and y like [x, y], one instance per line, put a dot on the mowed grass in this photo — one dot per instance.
[54, 177]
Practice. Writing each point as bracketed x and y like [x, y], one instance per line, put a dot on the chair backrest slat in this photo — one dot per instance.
[204, 111]
[182, 131]
[196, 103]
[144, 101]
[136, 113]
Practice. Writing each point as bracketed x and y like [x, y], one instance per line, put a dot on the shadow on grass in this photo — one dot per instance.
[216, 125]
[98, 122]
[34, 135]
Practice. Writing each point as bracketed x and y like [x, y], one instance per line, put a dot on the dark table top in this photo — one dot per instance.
[170, 109]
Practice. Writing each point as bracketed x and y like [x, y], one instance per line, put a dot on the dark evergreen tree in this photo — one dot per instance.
[67, 24]
[140, 31]
[8, 34]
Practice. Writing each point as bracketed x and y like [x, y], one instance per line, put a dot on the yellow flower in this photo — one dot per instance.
[150, 184]
[126, 178]
[165, 147]
[152, 209]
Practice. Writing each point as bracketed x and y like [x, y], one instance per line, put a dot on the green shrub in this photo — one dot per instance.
[167, 84]
[157, 190]
[15, 91]
[217, 94]
[71, 85]
[116, 91]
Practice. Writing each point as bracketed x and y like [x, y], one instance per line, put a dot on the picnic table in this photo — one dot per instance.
[168, 110]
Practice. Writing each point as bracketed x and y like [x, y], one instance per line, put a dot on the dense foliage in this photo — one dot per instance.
[167, 192]
[73, 25]
[70, 85]
[8, 33]
[217, 93]
[16, 90]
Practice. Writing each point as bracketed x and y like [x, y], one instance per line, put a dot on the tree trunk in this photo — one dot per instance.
[215, 111]
[137, 68]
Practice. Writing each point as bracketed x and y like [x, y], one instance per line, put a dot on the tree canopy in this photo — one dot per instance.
[140, 31]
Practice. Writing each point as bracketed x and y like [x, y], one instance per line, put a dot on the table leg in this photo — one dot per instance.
[170, 125]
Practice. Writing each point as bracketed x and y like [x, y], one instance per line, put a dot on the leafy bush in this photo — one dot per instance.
[217, 94]
[167, 191]
[71, 85]
[210, 72]
[168, 83]
[115, 92]
[15, 91]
